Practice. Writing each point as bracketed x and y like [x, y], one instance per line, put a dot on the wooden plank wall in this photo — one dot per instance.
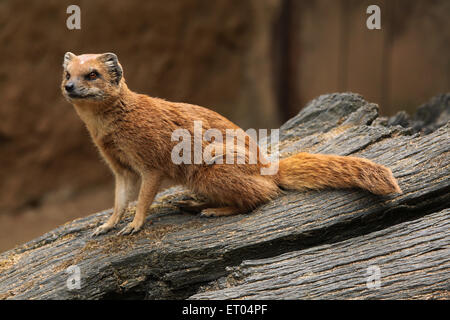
[330, 49]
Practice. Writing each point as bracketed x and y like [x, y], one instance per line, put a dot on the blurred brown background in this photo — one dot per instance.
[258, 62]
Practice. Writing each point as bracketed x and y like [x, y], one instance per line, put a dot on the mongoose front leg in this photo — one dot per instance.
[125, 191]
[149, 187]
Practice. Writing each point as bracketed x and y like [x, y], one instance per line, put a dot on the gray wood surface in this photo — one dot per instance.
[181, 255]
[410, 260]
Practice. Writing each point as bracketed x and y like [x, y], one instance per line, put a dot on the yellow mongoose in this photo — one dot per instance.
[134, 134]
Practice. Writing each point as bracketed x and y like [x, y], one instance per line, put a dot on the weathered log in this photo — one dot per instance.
[407, 260]
[180, 255]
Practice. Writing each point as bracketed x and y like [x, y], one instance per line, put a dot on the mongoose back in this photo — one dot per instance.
[133, 132]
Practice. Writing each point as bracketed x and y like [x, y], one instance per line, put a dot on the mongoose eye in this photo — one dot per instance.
[67, 76]
[92, 76]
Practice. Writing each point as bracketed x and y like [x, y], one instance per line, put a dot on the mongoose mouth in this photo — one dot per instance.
[73, 95]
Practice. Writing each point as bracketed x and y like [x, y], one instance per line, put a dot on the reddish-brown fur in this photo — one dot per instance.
[133, 133]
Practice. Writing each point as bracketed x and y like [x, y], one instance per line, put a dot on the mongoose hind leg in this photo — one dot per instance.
[234, 189]
[192, 206]
[222, 212]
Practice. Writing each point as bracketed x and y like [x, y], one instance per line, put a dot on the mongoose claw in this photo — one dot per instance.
[129, 229]
[208, 213]
[104, 228]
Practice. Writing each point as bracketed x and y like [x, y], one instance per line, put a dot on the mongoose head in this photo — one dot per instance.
[91, 78]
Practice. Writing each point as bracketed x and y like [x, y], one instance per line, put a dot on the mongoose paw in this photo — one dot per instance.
[208, 213]
[215, 212]
[191, 206]
[221, 212]
[104, 228]
[130, 228]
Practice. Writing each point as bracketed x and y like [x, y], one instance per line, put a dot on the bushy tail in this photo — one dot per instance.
[318, 171]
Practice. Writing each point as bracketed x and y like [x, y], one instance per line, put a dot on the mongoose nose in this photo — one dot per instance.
[69, 86]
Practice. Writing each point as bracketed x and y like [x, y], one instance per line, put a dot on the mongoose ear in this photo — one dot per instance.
[113, 66]
[68, 56]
